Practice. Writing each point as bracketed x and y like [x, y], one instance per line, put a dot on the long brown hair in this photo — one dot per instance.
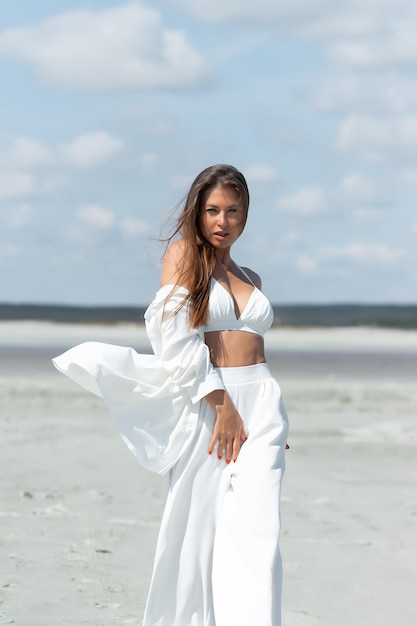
[199, 256]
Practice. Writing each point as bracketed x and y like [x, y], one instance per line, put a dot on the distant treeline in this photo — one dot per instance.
[395, 316]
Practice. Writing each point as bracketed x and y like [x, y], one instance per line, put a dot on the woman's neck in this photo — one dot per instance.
[223, 258]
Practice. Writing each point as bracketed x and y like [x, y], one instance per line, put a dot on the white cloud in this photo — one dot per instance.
[397, 93]
[357, 187]
[366, 214]
[290, 238]
[25, 152]
[363, 253]
[372, 93]
[306, 264]
[90, 149]
[260, 173]
[96, 216]
[362, 34]
[307, 201]
[379, 255]
[131, 227]
[99, 218]
[124, 46]
[396, 46]
[16, 184]
[378, 138]
[319, 18]
[53, 182]
[336, 93]
[22, 153]
[334, 21]
[262, 11]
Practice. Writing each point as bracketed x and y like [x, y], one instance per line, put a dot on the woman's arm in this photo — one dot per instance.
[229, 429]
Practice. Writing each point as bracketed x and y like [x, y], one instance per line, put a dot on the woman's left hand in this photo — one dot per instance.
[229, 429]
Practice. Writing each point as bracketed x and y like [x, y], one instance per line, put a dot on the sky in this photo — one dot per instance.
[110, 109]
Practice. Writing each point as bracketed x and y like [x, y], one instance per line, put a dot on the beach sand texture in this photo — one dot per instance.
[79, 517]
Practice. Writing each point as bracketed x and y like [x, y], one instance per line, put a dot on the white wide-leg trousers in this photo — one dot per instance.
[217, 559]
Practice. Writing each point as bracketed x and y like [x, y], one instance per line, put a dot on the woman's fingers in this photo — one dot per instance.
[243, 435]
[213, 443]
[228, 447]
[236, 448]
[220, 448]
[218, 442]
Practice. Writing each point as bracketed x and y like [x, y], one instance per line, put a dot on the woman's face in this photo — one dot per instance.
[221, 217]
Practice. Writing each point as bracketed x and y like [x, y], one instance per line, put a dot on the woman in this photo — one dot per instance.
[205, 409]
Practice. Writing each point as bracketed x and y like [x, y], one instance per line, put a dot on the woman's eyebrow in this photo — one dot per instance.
[211, 205]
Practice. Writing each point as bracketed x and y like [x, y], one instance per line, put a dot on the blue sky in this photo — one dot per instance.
[110, 109]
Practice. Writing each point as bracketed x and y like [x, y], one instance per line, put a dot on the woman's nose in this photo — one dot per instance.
[221, 218]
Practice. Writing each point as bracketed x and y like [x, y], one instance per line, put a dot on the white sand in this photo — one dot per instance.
[362, 338]
[79, 518]
[34, 333]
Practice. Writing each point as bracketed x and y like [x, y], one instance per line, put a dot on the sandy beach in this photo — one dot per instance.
[79, 517]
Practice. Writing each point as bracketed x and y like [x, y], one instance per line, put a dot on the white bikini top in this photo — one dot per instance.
[256, 317]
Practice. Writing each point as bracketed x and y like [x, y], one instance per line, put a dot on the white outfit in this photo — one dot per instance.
[217, 560]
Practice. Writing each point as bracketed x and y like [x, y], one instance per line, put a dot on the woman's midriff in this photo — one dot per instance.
[235, 348]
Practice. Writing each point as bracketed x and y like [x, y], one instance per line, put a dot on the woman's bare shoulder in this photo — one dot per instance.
[176, 250]
[174, 262]
[255, 278]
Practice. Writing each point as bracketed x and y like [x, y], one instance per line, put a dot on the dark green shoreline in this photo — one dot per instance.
[326, 315]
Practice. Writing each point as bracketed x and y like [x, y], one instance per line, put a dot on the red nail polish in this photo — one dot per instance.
[210, 451]
[219, 457]
[227, 461]
[234, 460]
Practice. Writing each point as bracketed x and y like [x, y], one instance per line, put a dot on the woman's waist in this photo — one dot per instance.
[235, 348]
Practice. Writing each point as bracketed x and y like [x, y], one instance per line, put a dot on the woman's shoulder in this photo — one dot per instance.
[176, 250]
[174, 262]
[253, 276]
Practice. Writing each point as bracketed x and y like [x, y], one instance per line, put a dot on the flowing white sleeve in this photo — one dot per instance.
[181, 350]
[154, 399]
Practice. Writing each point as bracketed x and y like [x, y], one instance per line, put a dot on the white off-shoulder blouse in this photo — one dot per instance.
[154, 399]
